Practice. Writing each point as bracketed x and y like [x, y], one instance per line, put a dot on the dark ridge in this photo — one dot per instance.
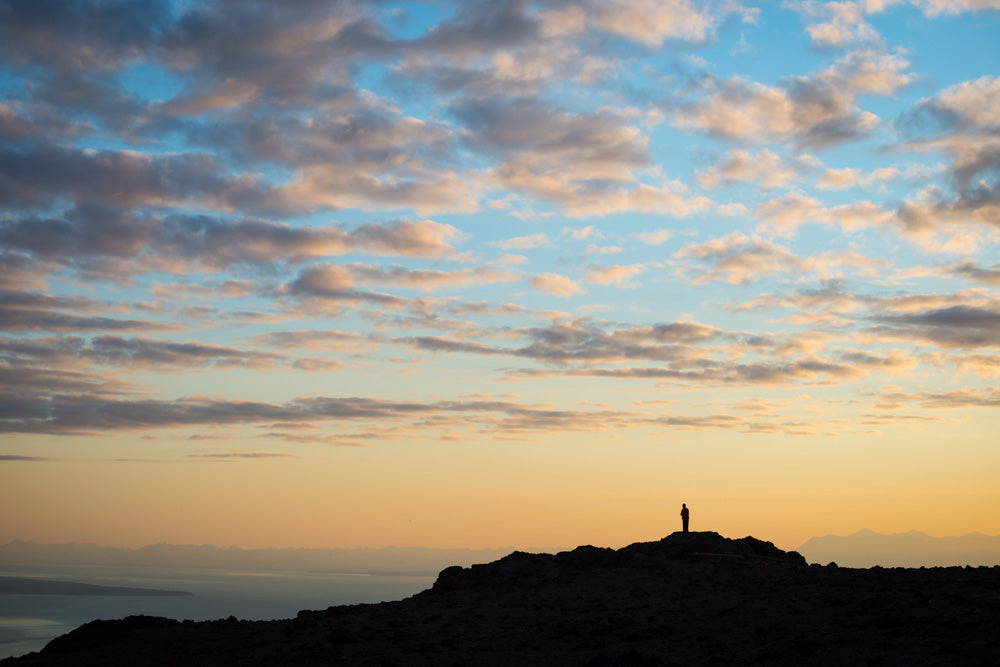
[688, 599]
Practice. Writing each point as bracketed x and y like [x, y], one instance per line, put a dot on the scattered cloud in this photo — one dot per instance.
[816, 111]
[765, 169]
[554, 283]
[343, 204]
[737, 259]
[538, 240]
[612, 275]
[655, 237]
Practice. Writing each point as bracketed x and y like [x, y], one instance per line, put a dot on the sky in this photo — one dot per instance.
[460, 274]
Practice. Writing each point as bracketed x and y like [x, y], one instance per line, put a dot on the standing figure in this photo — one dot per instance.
[684, 516]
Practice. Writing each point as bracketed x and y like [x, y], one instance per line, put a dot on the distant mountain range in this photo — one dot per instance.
[867, 548]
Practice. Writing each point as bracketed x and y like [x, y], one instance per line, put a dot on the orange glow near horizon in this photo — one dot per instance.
[496, 495]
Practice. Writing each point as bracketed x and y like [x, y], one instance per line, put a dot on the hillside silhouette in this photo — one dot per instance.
[688, 599]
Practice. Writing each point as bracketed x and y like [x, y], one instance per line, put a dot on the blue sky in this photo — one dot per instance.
[412, 263]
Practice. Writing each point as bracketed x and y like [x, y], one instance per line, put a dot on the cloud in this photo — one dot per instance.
[19, 271]
[828, 299]
[947, 7]
[738, 259]
[169, 356]
[830, 265]
[47, 173]
[27, 387]
[952, 400]
[655, 237]
[41, 356]
[583, 341]
[36, 311]
[537, 240]
[971, 271]
[650, 22]
[963, 123]
[487, 308]
[807, 370]
[186, 243]
[242, 455]
[956, 219]
[817, 111]
[838, 23]
[958, 320]
[984, 365]
[335, 284]
[838, 179]
[556, 284]
[336, 187]
[430, 280]
[228, 94]
[13, 125]
[785, 214]
[963, 399]
[960, 326]
[842, 23]
[560, 149]
[281, 49]
[596, 144]
[415, 239]
[476, 29]
[492, 417]
[765, 169]
[366, 156]
[612, 275]
[496, 26]
[78, 36]
[586, 162]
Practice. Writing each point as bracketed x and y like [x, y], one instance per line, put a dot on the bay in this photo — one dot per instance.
[28, 622]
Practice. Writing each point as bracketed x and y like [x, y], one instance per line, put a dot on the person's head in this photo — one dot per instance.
[683, 504]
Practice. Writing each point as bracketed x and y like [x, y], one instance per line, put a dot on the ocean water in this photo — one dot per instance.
[28, 622]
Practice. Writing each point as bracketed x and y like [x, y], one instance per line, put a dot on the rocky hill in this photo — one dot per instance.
[688, 599]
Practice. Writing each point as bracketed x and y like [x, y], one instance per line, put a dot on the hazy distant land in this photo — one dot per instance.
[32, 586]
[862, 549]
[386, 560]
[867, 548]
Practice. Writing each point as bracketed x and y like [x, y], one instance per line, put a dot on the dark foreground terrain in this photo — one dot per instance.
[689, 599]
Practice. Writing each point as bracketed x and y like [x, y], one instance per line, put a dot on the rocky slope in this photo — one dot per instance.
[695, 598]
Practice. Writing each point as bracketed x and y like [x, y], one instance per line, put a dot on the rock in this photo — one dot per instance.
[100, 633]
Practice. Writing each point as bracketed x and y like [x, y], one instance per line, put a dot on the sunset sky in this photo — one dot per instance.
[457, 274]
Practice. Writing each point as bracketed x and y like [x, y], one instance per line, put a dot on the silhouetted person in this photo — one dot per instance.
[685, 514]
